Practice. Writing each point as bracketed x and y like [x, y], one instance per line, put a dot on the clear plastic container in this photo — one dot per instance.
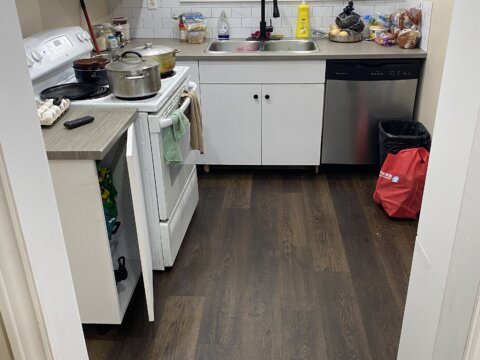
[196, 37]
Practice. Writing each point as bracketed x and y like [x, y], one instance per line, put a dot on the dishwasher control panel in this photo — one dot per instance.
[374, 70]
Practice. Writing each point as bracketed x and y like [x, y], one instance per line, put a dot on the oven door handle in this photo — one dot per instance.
[166, 122]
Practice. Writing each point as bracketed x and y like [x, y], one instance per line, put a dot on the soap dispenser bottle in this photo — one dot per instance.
[303, 23]
[223, 27]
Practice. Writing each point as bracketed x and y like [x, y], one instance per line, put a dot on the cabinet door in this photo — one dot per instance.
[138, 200]
[292, 124]
[232, 124]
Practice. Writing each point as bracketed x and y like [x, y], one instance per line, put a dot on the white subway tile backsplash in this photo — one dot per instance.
[240, 32]
[316, 22]
[250, 22]
[289, 22]
[180, 10]
[144, 33]
[166, 33]
[287, 11]
[287, 32]
[241, 12]
[217, 11]
[170, 23]
[140, 13]
[328, 20]
[244, 16]
[162, 13]
[128, 12]
[427, 7]
[233, 22]
[365, 10]
[385, 9]
[152, 23]
[256, 12]
[114, 3]
[276, 23]
[171, 3]
[207, 12]
[132, 3]
[322, 10]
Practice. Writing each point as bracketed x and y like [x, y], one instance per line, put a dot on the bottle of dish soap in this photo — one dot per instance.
[303, 23]
[223, 27]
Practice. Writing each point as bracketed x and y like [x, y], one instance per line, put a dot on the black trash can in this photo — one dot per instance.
[396, 135]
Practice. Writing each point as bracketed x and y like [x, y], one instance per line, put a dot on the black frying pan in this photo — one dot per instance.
[73, 91]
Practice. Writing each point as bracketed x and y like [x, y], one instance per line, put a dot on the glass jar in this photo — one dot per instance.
[100, 36]
[122, 22]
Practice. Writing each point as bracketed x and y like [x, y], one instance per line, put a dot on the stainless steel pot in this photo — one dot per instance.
[133, 77]
[164, 55]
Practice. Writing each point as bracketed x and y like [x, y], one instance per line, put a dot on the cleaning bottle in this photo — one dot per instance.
[223, 27]
[303, 23]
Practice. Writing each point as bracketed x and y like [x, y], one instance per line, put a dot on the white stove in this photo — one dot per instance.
[171, 191]
[152, 104]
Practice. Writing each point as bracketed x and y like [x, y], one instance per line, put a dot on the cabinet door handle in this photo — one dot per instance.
[255, 96]
[267, 97]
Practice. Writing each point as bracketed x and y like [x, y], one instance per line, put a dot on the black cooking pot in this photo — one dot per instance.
[98, 77]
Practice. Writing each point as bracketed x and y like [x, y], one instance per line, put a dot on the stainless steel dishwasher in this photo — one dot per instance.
[359, 94]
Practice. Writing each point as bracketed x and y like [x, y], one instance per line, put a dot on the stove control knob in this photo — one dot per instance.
[30, 61]
[86, 36]
[80, 37]
[37, 55]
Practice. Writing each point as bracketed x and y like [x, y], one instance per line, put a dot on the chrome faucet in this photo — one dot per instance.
[263, 25]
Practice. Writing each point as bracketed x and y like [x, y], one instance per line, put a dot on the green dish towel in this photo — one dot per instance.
[172, 135]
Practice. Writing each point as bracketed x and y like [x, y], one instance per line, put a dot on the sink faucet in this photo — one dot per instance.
[263, 25]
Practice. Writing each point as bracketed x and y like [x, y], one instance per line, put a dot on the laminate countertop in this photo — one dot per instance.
[88, 142]
[328, 51]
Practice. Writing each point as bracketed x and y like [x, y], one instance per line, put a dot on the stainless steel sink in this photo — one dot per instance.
[233, 46]
[255, 46]
[290, 45]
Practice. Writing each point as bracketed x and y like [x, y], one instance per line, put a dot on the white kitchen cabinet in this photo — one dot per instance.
[232, 123]
[262, 112]
[291, 124]
[92, 256]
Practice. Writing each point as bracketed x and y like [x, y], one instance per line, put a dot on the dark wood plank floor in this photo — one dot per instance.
[276, 265]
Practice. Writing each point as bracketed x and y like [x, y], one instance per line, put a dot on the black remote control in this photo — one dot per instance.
[72, 124]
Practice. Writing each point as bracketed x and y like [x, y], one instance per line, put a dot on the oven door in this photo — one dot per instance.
[170, 179]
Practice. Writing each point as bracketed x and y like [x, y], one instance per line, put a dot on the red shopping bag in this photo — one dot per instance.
[401, 181]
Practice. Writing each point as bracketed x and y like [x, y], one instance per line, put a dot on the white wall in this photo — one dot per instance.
[5, 350]
[39, 15]
[37, 224]
[244, 17]
[429, 327]
[437, 35]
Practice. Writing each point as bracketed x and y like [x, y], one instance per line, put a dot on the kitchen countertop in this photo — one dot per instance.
[87, 142]
[328, 50]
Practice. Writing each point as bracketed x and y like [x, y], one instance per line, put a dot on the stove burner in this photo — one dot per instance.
[99, 93]
[168, 74]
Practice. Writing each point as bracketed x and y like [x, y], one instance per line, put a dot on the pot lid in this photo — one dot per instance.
[134, 62]
[153, 50]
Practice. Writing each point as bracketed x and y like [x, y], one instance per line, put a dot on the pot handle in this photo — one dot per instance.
[176, 51]
[131, 52]
[135, 77]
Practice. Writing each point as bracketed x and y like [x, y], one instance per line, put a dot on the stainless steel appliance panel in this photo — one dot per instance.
[352, 112]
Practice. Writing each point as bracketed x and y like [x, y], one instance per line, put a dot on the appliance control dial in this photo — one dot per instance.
[86, 36]
[30, 61]
[37, 55]
[80, 37]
